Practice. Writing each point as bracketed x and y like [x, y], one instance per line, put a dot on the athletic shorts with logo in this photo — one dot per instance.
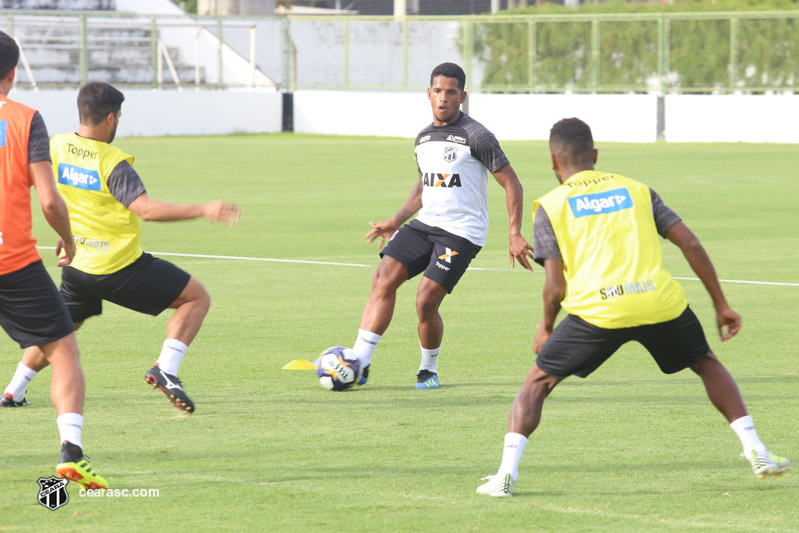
[442, 256]
[148, 285]
[576, 347]
[31, 310]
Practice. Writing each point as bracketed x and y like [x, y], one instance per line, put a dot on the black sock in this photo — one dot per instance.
[70, 453]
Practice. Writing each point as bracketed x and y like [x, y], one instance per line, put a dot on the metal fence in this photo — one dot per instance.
[746, 52]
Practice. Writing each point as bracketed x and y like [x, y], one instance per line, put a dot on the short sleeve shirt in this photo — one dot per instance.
[125, 184]
[454, 162]
[38, 141]
[545, 244]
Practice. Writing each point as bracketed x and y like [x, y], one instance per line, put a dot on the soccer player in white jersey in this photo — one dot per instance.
[455, 155]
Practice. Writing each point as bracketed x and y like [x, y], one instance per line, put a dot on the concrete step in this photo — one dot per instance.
[117, 53]
[67, 28]
[139, 55]
[60, 5]
[122, 74]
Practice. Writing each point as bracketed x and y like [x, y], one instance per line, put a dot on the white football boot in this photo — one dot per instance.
[767, 465]
[497, 485]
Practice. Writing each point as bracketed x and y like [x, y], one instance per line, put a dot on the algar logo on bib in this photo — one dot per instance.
[600, 203]
[82, 178]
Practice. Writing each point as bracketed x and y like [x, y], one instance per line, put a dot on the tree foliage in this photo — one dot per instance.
[189, 6]
[698, 51]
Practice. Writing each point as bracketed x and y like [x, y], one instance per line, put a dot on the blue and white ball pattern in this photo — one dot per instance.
[338, 368]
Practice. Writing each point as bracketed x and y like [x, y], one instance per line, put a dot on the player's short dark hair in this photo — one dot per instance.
[449, 70]
[96, 100]
[9, 54]
[571, 141]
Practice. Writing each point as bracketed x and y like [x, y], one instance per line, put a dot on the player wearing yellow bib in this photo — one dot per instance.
[107, 201]
[597, 238]
[107, 232]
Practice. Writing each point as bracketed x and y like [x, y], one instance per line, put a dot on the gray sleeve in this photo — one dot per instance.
[38, 140]
[485, 148]
[125, 184]
[665, 218]
[545, 244]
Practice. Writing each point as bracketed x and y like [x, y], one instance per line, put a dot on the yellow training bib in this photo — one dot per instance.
[107, 233]
[611, 252]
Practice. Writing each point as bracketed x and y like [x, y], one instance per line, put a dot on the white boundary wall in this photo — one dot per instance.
[732, 118]
[153, 113]
[361, 113]
[628, 118]
[613, 118]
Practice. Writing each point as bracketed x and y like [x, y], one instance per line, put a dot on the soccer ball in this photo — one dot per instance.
[338, 368]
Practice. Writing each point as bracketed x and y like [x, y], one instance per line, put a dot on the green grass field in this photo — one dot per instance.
[627, 449]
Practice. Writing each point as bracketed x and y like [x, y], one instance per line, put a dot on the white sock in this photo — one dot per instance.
[512, 454]
[744, 427]
[19, 383]
[365, 345]
[69, 427]
[429, 359]
[171, 355]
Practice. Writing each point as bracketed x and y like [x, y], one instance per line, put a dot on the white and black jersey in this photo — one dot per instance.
[454, 162]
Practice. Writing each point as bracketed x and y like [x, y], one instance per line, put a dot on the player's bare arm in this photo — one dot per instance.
[155, 210]
[728, 321]
[54, 209]
[386, 228]
[553, 292]
[519, 250]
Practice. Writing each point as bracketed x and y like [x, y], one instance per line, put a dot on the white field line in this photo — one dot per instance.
[265, 259]
[358, 265]
[747, 282]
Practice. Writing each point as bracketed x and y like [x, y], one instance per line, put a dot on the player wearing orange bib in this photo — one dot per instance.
[31, 310]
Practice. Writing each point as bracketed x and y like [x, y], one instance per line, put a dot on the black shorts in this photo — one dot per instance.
[578, 348]
[442, 256]
[31, 310]
[148, 285]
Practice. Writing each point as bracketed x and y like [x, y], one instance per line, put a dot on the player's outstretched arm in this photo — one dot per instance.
[155, 210]
[54, 209]
[728, 321]
[553, 292]
[386, 228]
[519, 249]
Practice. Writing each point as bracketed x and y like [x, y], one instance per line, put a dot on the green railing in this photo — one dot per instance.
[722, 52]
[670, 52]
